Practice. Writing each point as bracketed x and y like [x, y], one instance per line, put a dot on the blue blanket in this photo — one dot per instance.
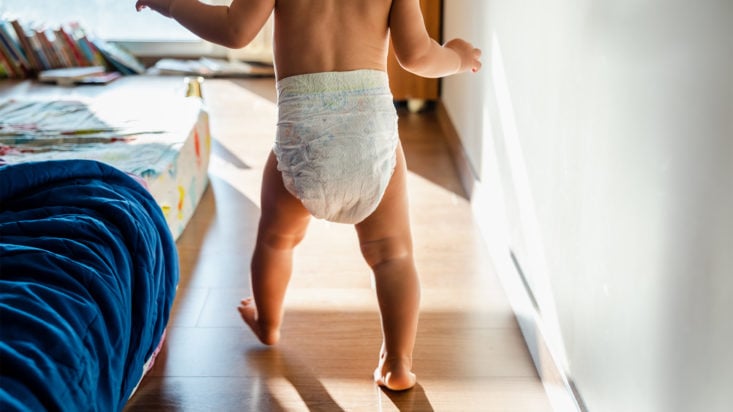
[88, 272]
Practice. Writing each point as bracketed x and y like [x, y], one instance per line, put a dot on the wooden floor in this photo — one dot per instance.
[469, 356]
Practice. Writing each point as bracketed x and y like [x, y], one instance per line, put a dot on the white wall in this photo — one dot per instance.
[602, 135]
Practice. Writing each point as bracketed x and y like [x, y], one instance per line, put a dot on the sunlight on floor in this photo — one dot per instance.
[469, 354]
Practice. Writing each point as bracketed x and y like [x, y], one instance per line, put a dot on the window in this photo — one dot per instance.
[145, 33]
[109, 19]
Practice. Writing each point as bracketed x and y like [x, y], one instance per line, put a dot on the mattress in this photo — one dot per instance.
[163, 140]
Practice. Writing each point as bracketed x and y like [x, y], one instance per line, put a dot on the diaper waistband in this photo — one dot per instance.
[355, 80]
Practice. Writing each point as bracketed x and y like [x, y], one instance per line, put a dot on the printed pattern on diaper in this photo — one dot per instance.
[336, 141]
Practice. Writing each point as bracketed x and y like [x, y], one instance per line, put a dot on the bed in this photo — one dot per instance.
[88, 273]
[93, 195]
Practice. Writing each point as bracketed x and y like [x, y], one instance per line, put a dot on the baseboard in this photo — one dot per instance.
[560, 390]
[558, 387]
[458, 154]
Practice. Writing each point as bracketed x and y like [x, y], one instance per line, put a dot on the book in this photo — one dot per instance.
[12, 68]
[6, 67]
[209, 67]
[26, 51]
[38, 50]
[103, 78]
[8, 39]
[62, 50]
[26, 46]
[70, 75]
[97, 58]
[72, 47]
[48, 49]
[119, 58]
[79, 36]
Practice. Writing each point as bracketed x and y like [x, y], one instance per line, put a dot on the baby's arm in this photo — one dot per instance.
[420, 54]
[231, 26]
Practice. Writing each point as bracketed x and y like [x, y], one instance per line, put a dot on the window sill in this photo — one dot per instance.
[196, 48]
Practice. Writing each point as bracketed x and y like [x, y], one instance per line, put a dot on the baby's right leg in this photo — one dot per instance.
[282, 226]
[386, 243]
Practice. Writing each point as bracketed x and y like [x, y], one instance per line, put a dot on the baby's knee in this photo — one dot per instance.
[378, 252]
[280, 241]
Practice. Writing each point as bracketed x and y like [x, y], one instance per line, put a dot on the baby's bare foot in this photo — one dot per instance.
[394, 374]
[248, 311]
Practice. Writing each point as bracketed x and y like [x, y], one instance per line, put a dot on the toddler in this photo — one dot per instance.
[336, 155]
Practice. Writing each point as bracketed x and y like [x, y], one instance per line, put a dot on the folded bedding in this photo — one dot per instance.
[88, 273]
[164, 139]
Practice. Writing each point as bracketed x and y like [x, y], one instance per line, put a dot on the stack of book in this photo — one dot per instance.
[211, 67]
[26, 52]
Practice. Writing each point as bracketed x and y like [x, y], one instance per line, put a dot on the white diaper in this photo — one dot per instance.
[336, 141]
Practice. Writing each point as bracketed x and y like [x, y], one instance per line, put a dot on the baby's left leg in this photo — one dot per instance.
[282, 226]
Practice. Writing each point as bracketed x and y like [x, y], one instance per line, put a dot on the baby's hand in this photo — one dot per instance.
[161, 6]
[469, 55]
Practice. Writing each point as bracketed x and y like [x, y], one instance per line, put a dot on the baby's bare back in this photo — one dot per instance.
[327, 35]
[330, 35]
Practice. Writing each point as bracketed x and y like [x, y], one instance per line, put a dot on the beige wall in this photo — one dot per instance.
[601, 134]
